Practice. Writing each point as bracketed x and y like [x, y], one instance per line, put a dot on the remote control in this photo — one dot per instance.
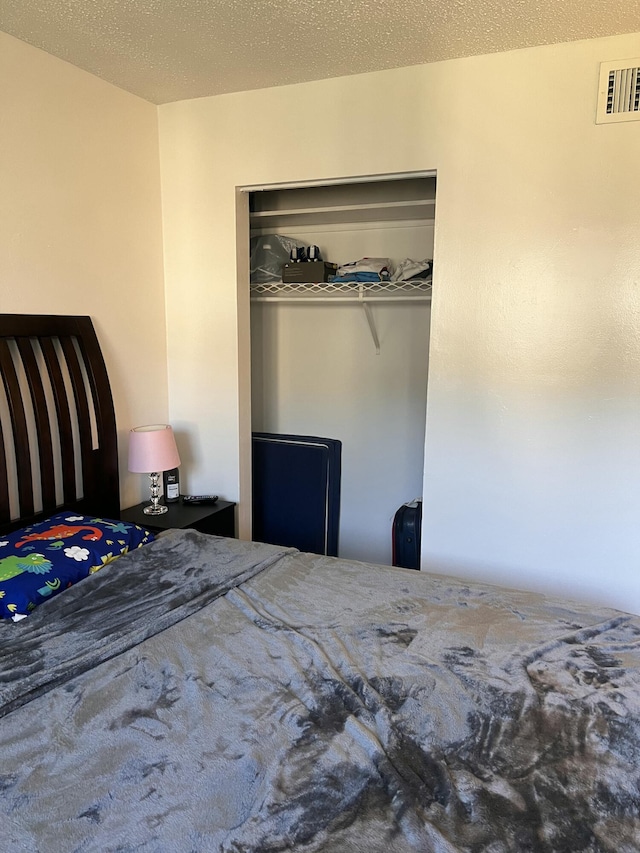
[193, 500]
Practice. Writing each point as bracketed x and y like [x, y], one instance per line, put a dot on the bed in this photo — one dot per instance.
[208, 694]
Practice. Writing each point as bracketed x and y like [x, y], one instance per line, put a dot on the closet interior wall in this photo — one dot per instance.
[315, 370]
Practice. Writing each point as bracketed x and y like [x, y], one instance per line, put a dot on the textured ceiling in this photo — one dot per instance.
[167, 50]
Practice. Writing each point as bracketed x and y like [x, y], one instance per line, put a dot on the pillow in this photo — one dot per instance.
[39, 561]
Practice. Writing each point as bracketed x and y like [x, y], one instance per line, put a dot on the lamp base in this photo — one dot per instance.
[155, 509]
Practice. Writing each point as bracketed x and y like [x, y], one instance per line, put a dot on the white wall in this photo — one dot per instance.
[81, 224]
[532, 447]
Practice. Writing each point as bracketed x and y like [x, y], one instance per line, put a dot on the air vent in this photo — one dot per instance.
[619, 91]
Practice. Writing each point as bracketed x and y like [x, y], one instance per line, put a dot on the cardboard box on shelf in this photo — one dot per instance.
[308, 271]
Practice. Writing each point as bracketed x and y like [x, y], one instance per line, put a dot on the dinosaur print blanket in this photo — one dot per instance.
[204, 694]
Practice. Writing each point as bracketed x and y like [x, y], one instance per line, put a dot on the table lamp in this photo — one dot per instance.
[152, 449]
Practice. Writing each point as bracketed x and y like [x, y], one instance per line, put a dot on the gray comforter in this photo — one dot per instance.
[209, 695]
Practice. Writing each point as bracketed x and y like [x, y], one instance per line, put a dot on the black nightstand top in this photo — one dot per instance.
[218, 518]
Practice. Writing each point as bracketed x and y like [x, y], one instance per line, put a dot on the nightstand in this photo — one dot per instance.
[217, 518]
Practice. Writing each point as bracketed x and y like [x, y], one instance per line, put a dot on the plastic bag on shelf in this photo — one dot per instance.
[269, 253]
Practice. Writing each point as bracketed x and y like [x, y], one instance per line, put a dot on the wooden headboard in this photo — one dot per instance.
[58, 443]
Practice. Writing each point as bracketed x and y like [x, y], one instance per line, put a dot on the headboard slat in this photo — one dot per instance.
[82, 414]
[19, 429]
[43, 428]
[5, 509]
[63, 415]
[104, 470]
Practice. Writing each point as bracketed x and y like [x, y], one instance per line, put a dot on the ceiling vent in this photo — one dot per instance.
[619, 91]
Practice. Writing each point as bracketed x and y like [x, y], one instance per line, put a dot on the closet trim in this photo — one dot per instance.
[331, 182]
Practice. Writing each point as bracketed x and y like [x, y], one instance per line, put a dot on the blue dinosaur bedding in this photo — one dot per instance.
[44, 559]
[215, 695]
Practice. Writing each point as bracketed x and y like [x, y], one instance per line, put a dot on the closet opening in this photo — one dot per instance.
[341, 359]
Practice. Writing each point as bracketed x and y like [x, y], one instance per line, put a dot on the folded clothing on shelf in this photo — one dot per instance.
[366, 269]
[409, 269]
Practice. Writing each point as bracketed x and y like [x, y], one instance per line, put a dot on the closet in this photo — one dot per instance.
[349, 362]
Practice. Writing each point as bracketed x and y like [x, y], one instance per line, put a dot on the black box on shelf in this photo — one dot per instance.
[308, 271]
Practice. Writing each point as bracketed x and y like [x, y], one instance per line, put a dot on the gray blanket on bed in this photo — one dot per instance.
[210, 695]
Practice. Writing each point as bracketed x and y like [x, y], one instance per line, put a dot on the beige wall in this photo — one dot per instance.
[532, 448]
[80, 221]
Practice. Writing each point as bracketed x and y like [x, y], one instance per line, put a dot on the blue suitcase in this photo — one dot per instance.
[407, 535]
[296, 491]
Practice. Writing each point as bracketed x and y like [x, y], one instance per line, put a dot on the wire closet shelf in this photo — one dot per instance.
[378, 291]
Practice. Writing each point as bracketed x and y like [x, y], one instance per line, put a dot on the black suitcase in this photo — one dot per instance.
[407, 533]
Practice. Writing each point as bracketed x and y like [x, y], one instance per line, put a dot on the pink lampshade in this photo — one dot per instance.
[152, 449]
